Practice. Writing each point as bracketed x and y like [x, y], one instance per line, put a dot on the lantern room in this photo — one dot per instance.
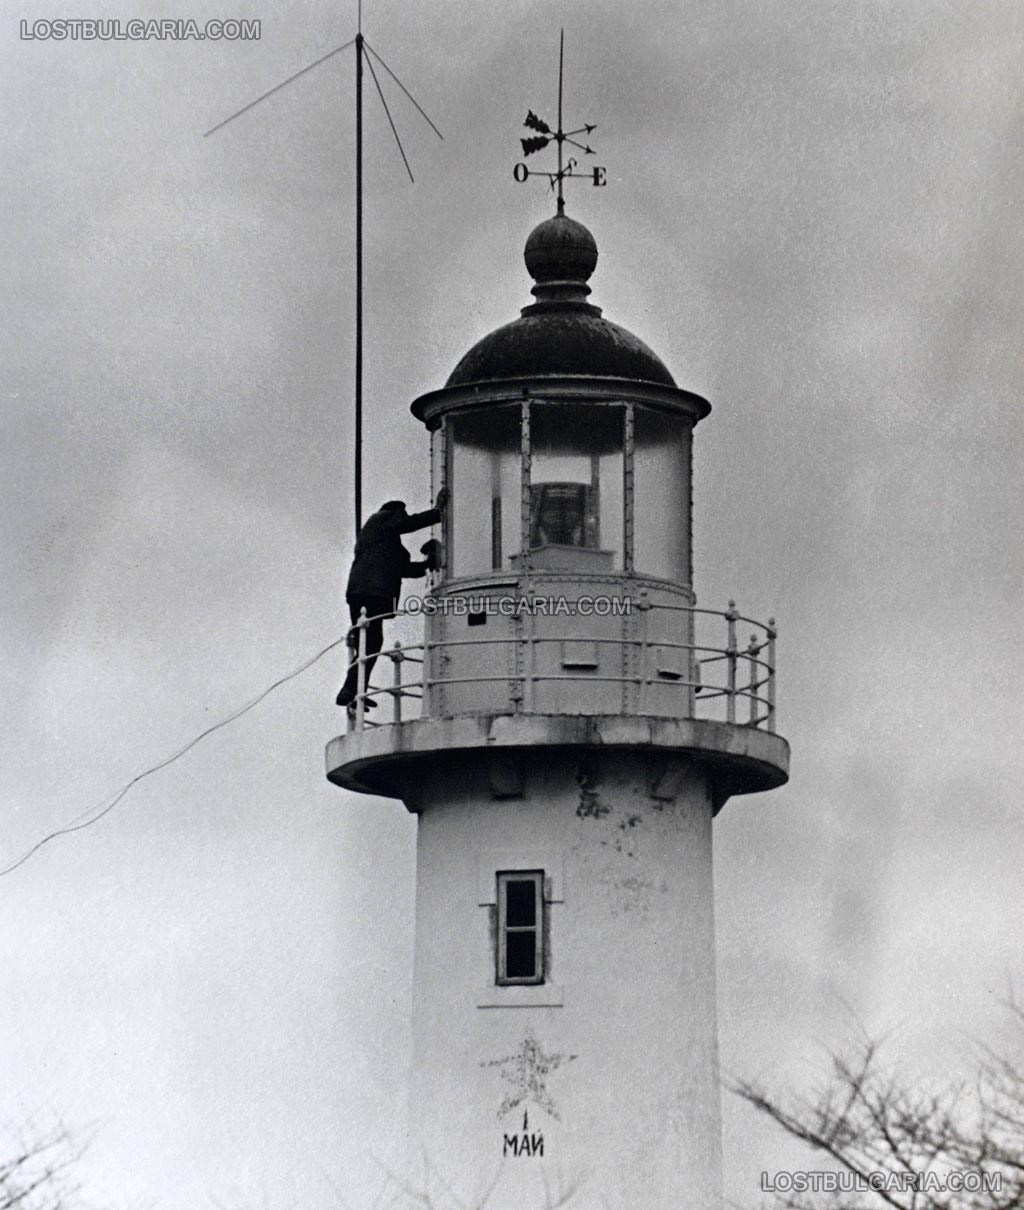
[572, 479]
[562, 438]
[565, 447]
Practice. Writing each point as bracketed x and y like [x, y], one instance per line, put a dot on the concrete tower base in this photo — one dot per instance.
[600, 1079]
[604, 1078]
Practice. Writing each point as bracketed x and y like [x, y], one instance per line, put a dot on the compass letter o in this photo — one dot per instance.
[520, 172]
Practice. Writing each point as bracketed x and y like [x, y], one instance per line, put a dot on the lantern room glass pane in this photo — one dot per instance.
[436, 461]
[661, 493]
[576, 472]
[484, 491]
[437, 476]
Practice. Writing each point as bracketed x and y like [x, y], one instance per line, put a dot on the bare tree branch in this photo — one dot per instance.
[887, 1133]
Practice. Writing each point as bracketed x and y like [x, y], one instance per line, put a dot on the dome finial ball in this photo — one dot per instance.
[560, 249]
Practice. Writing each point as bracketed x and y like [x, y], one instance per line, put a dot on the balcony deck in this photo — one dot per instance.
[701, 694]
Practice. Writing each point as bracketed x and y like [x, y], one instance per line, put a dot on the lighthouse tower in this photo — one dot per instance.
[565, 722]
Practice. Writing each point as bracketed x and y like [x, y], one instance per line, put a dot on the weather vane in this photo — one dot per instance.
[545, 136]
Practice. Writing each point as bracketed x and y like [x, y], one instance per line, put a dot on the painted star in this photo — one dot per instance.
[526, 1072]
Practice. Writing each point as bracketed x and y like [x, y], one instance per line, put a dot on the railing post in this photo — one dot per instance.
[697, 675]
[644, 608]
[692, 663]
[433, 670]
[752, 653]
[530, 684]
[771, 674]
[396, 693]
[361, 626]
[731, 614]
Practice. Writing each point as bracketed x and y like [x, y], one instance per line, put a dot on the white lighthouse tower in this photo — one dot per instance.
[565, 723]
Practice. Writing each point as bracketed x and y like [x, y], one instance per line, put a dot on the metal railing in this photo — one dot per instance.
[731, 682]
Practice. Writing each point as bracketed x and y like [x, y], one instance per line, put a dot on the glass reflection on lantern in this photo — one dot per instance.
[484, 490]
[576, 486]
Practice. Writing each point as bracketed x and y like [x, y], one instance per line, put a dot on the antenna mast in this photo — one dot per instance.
[363, 52]
[357, 455]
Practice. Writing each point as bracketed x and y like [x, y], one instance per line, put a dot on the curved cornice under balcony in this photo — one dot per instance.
[388, 760]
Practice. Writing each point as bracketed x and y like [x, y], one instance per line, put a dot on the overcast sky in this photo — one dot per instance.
[814, 217]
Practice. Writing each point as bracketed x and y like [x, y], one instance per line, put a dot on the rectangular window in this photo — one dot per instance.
[521, 927]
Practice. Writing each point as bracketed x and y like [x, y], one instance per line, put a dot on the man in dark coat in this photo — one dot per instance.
[380, 565]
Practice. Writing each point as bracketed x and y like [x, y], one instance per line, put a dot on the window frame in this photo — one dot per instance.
[539, 928]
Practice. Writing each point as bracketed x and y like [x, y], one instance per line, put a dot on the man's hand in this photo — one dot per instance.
[442, 500]
[432, 550]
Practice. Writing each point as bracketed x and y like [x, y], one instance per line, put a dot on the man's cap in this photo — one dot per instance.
[392, 506]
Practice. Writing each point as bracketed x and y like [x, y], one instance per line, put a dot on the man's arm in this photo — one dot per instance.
[414, 521]
[431, 517]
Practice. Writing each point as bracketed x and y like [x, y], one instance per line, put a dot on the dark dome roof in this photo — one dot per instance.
[561, 333]
[570, 343]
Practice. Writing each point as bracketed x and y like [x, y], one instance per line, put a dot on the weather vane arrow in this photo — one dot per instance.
[545, 136]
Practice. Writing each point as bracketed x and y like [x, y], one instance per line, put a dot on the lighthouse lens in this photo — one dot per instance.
[563, 514]
[576, 485]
